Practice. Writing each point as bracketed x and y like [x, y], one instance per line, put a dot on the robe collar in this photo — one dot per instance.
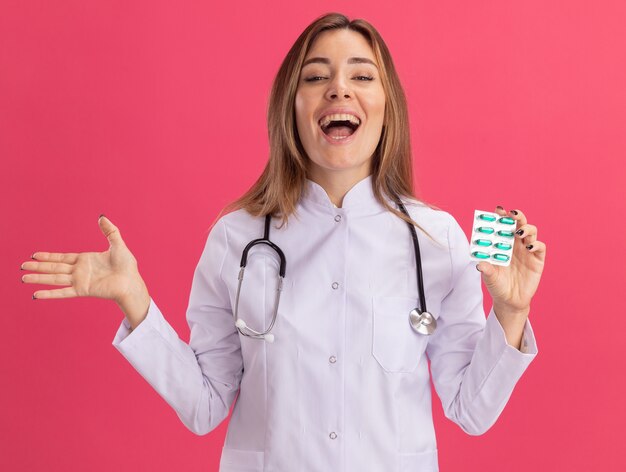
[360, 196]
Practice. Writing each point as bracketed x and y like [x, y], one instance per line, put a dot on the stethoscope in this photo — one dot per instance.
[420, 319]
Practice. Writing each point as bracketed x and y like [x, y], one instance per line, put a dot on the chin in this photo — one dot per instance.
[339, 163]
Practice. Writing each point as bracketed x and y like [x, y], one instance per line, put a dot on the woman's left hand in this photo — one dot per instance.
[513, 287]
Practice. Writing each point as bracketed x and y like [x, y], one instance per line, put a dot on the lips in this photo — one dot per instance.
[329, 118]
[339, 124]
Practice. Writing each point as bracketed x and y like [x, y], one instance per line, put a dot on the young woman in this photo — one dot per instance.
[320, 336]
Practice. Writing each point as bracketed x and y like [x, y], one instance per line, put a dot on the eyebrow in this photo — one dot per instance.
[351, 60]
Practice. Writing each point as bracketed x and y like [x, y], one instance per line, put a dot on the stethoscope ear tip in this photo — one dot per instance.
[241, 324]
[269, 338]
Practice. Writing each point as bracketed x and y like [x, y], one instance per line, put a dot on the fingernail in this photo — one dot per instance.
[101, 216]
[499, 207]
[22, 279]
[21, 268]
[519, 231]
[32, 256]
[477, 268]
[529, 247]
[513, 212]
[34, 297]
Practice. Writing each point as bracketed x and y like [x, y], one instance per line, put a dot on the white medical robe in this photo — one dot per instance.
[345, 386]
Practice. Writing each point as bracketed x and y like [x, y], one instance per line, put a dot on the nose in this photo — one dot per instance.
[338, 88]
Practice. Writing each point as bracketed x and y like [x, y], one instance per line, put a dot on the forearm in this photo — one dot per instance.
[200, 388]
[512, 322]
[475, 388]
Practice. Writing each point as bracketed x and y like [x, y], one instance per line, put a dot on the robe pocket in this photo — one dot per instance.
[422, 461]
[395, 344]
[239, 460]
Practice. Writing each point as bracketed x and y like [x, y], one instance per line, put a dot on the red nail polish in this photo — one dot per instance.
[514, 212]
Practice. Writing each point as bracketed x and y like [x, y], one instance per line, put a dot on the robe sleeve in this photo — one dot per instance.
[474, 369]
[198, 380]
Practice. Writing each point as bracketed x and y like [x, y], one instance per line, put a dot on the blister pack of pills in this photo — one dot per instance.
[492, 238]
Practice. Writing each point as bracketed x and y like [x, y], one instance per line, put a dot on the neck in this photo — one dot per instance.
[337, 184]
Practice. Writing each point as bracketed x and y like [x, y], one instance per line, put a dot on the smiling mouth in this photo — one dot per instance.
[338, 129]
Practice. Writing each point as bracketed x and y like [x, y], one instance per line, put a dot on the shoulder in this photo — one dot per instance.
[446, 230]
[440, 224]
[236, 218]
[236, 225]
[427, 212]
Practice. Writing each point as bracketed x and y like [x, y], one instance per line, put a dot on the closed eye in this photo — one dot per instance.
[314, 79]
[317, 78]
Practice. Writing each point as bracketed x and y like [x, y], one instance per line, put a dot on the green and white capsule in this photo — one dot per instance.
[505, 220]
[480, 255]
[486, 217]
[500, 257]
[482, 242]
[485, 230]
[503, 246]
[506, 234]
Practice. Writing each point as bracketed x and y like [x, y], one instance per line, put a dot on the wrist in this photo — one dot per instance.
[511, 311]
[512, 320]
[135, 303]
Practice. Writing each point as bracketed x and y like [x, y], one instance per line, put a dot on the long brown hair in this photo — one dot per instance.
[280, 186]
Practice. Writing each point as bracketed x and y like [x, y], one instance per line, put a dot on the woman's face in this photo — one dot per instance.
[340, 104]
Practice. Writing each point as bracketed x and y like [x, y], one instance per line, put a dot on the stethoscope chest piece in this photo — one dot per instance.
[422, 322]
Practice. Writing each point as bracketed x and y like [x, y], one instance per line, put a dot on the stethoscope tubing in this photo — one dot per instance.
[418, 259]
[265, 240]
[243, 328]
[420, 319]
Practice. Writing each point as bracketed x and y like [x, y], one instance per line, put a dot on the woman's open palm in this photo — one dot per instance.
[111, 274]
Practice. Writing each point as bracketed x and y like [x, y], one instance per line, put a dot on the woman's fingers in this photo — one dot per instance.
[527, 233]
[67, 292]
[500, 211]
[537, 246]
[47, 279]
[56, 273]
[107, 274]
[67, 257]
[110, 231]
[526, 230]
[47, 267]
[519, 217]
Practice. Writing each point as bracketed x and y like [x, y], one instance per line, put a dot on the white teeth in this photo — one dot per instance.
[339, 117]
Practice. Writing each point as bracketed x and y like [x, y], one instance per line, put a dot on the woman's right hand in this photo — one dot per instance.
[112, 275]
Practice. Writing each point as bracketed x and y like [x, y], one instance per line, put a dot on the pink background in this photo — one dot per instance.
[154, 114]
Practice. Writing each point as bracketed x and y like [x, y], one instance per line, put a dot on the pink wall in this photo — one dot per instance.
[153, 113]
